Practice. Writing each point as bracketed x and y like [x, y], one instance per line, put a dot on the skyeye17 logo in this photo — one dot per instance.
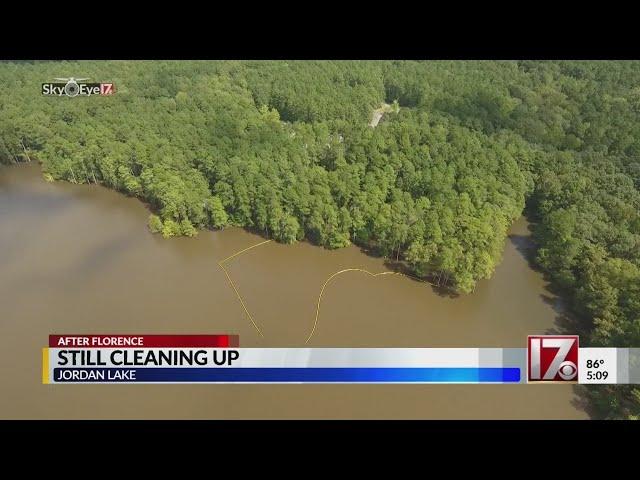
[76, 87]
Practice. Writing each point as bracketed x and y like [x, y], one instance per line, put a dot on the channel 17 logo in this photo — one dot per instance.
[74, 87]
[552, 358]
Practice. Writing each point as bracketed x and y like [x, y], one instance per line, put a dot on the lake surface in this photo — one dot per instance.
[79, 259]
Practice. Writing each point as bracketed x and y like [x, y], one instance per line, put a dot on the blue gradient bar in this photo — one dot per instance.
[291, 375]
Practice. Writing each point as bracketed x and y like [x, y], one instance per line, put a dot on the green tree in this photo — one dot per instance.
[155, 224]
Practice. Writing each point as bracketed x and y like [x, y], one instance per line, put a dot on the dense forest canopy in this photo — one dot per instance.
[285, 148]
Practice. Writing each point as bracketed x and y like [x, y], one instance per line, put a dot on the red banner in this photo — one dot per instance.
[143, 341]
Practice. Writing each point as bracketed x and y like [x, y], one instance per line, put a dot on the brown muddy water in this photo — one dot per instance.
[79, 259]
